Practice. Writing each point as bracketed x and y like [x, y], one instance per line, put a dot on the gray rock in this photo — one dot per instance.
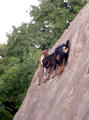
[66, 97]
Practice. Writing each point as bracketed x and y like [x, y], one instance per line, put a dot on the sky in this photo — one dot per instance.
[13, 12]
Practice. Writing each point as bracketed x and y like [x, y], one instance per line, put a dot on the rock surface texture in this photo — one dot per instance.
[66, 97]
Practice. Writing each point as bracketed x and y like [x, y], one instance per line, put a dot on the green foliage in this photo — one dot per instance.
[18, 66]
[50, 18]
[2, 47]
[20, 55]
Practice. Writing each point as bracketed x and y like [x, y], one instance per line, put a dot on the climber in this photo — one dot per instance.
[40, 63]
[60, 57]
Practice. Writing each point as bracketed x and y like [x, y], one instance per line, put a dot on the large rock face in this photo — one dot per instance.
[65, 97]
